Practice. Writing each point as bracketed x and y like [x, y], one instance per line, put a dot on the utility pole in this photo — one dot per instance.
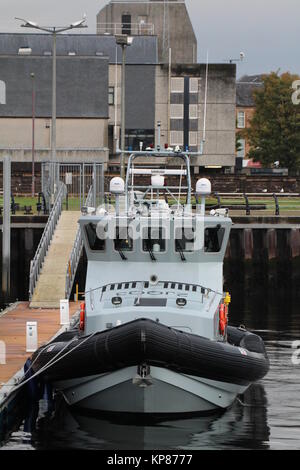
[6, 228]
[53, 30]
[33, 135]
[124, 41]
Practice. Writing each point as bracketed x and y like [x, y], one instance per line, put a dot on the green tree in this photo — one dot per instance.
[274, 133]
[238, 145]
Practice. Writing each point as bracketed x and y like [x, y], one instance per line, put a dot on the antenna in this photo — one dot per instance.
[205, 107]
[166, 30]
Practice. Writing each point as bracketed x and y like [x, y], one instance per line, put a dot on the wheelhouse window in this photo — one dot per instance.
[213, 239]
[184, 240]
[95, 243]
[154, 240]
[123, 242]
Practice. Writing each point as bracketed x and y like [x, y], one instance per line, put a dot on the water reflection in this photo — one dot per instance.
[244, 426]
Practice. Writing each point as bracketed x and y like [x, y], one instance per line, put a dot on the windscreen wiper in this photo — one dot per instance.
[122, 255]
[150, 251]
[179, 248]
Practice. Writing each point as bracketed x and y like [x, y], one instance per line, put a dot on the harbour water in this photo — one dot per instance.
[266, 417]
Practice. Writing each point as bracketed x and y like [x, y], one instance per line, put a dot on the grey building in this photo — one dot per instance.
[82, 107]
[183, 117]
[168, 20]
[89, 100]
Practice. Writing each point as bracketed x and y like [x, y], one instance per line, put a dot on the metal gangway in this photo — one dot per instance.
[54, 267]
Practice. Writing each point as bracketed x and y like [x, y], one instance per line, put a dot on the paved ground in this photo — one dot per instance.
[13, 334]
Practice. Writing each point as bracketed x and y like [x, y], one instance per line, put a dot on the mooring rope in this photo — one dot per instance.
[51, 362]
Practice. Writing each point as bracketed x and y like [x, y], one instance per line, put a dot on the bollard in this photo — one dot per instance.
[31, 336]
[2, 353]
[64, 312]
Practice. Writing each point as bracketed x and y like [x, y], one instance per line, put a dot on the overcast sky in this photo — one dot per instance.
[267, 31]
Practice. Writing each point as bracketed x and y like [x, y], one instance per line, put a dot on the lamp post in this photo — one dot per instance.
[53, 30]
[33, 134]
[124, 41]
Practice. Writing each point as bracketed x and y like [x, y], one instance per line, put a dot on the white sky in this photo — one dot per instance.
[268, 31]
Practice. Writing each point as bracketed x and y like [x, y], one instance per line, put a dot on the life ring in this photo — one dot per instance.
[223, 318]
[82, 317]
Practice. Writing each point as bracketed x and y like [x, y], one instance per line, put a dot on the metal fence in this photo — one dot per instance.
[78, 178]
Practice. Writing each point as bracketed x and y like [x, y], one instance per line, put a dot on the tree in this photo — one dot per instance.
[274, 133]
[238, 144]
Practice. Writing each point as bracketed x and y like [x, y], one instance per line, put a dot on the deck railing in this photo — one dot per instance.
[41, 252]
[76, 252]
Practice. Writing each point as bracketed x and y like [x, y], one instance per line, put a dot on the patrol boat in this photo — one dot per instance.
[153, 335]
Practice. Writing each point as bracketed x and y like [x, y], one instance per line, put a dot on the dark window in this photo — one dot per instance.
[213, 239]
[95, 243]
[133, 138]
[122, 241]
[154, 240]
[111, 95]
[184, 239]
[126, 24]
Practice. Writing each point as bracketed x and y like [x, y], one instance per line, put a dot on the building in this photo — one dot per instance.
[89, 78]
[167, 19]
[82, 106]
[172, 93]
[245, 108]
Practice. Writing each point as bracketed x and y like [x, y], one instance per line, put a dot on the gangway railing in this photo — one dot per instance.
[76, 251]
[41, 252]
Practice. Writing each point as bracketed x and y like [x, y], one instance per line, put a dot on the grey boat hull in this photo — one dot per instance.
[162, 392]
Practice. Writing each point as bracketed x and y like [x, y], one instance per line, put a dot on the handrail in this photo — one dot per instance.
[147, 284]
[38, 260]
[76, 253]
[136, 29]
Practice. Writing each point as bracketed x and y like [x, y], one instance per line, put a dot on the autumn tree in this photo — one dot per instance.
[274, 133]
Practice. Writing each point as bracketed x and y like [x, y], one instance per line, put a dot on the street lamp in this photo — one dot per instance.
[33, 134]
[124, 41]
[54, 30]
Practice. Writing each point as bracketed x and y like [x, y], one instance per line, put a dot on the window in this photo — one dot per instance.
[2, 92]
[111, 95]
[194, 85]
[126, 24]
[95, 243]
[184, 240]
[213, 239]
[241, 153]
[133, 138]
[176, 138]
[122, 241]
[241, 120]
[193, 139]
[177, 111]
[177, 85]
[154, 240]
[193, 111]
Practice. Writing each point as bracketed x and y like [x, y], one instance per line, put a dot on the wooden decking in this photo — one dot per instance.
[13, 334]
